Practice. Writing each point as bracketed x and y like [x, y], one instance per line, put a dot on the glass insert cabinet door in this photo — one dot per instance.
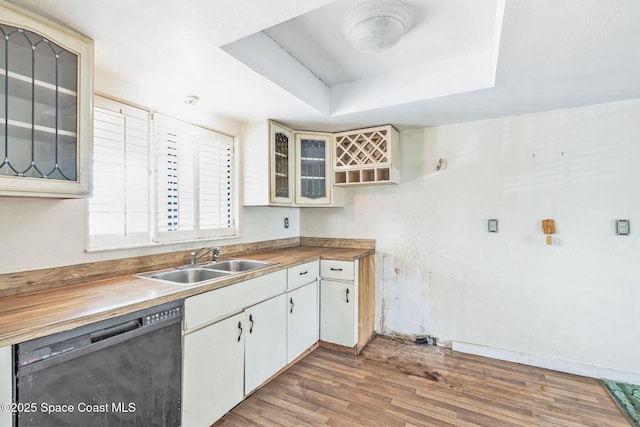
[40, 110]
[281, 165]
[313, 165]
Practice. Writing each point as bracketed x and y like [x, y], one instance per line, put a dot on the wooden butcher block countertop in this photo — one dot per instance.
[26, 316]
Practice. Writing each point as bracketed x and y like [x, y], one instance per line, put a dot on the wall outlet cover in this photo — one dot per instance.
[492, 225]
[623, 227]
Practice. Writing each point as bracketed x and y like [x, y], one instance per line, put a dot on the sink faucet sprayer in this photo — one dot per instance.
[199, 253]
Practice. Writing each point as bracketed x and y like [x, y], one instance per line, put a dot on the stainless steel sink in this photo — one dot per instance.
[237, 265]
[189, 277]
[203, 273]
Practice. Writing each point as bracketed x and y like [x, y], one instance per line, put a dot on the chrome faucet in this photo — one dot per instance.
[199, 253]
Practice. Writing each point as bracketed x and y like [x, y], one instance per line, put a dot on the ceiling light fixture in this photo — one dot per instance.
[376, 25]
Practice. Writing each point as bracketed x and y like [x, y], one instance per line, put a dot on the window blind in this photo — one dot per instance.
[194, 181]
[119, 211]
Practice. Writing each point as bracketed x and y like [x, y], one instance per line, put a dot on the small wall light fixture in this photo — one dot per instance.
[492, 225]
[376, 25]
[549, 228]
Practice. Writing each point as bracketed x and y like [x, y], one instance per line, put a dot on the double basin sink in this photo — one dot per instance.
[197, 274]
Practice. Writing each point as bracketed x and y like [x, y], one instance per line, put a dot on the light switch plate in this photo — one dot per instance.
[492, 225]
[623, 227]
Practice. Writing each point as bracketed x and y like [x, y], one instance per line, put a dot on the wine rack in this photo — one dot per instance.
[366, 157]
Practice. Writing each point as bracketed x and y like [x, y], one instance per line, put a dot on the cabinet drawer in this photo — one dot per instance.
[340, 270]
[302, 274]
[206, 308]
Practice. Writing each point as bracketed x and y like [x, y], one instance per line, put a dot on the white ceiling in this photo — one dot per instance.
[439, 32]
[285, 59]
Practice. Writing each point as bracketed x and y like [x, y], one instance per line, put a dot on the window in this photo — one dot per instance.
[157, 179]
[194, 172]
[119, 211]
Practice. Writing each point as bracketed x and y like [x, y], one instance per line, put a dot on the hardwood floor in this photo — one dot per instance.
[399, 383]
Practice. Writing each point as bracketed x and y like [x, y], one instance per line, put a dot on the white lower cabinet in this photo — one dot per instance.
[338, 313]
[6, 374]
[265, 341]
[213, 371]
[239, 336]
[214, 343]
[302, 319]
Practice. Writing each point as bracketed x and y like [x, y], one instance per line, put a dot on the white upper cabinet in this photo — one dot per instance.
[281, 140]
[313, 168]
[313, 177]
[282, 167]
[46, 108]
[267, 164]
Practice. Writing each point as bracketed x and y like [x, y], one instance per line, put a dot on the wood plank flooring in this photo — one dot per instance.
[399, 383]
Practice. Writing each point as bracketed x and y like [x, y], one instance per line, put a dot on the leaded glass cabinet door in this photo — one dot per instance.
[45, 108]
[313, 167]
[281, 165]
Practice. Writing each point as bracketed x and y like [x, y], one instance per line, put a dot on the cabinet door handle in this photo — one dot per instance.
[251, 323]
[291, 302]
[347, 295]
[303, 273]
[335, 269]
[240, 327]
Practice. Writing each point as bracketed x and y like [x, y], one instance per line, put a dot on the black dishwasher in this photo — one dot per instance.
[124, 371]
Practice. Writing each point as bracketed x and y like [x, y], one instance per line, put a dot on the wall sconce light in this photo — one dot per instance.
[376, 25]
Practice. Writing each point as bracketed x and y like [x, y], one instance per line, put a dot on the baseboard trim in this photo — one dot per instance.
[547, 362]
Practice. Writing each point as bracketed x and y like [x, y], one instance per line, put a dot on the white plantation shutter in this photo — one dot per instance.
[119, 209]
[214, 164]
[193, 182]
[192, 195]
[176, 176]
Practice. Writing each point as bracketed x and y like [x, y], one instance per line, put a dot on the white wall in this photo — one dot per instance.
[439, 271]
[42, 233]
[165, 102]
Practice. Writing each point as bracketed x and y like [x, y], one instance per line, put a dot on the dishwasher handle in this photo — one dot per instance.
[115, 330]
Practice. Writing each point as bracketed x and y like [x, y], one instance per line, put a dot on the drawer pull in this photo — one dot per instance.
[251, 323]
[303, 273]
[347, 295]
[240, 327]
[335, 269]
[291, 302]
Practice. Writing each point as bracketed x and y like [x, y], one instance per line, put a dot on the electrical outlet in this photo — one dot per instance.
[492, 225]
[623, 227]
[286, 223]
